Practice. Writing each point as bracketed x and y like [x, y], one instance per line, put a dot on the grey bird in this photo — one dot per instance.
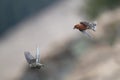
[34, 62]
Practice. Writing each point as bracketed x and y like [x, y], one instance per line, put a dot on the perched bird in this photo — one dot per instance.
[83, 26]
[34, 62]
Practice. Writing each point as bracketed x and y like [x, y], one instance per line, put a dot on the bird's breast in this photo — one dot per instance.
[81, 27]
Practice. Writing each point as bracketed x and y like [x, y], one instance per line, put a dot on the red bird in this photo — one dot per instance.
[83, 26]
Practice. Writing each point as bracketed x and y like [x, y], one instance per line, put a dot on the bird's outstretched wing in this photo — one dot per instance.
[38, 56]
[95, 24]
[87, 34]
[84, 23]
[30, 59]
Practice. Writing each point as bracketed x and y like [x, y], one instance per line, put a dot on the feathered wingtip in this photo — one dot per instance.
[94, 25]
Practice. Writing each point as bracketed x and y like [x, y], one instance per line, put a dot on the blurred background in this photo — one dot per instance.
[66, 53]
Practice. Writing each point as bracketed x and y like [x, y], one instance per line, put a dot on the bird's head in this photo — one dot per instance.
[38, 65]
[76, 26]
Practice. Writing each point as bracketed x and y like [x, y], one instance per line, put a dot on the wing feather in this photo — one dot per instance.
[38, 56]
[30, 59]
[84, 23]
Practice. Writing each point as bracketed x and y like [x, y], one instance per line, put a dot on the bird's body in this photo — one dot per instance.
[34, 63]
[83, 26]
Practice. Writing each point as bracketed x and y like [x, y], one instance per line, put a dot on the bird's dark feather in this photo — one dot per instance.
[30, 59]
[84, 23]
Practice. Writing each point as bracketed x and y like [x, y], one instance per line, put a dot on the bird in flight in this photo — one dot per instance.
[34, 62]
[83, 26]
